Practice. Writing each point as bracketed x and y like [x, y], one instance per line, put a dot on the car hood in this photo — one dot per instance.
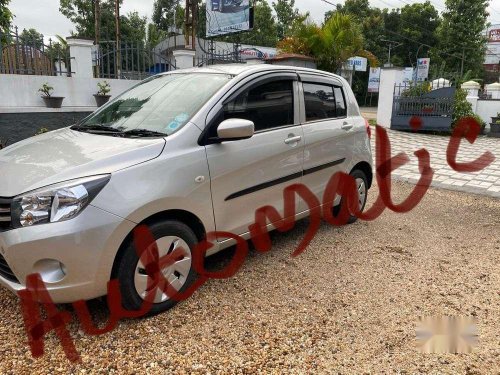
[66, 154]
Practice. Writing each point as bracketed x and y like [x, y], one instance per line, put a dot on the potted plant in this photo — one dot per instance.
[495, 129]
[50, 101]
[495, 119]
[102, 96]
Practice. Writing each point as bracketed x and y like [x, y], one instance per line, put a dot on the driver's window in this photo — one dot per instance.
[269, 105]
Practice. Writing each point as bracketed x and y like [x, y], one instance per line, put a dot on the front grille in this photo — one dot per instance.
[5, 219]
[6, 272]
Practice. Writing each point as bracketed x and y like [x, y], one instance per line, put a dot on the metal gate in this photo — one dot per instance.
[22, 55]
[432, 105]
[133, 61]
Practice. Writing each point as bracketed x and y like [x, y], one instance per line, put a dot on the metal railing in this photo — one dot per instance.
[218, 57]
[22, 54]
[133, 60]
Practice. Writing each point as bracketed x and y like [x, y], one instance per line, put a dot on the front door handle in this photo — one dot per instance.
[346, 126]
[293, 139]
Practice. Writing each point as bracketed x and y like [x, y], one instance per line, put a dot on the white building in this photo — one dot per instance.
[492, 60]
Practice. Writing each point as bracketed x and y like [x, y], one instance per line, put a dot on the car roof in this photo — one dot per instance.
[246, 69]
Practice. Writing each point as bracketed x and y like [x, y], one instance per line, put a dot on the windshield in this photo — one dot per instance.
[159, 106]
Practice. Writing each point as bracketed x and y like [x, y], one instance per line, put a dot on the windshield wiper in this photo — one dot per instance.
[96, 129]
[143, 133]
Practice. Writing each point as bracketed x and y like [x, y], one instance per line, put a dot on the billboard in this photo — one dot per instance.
[228, 16]
[423, 69]
[356, 63]
[494, 35]
[408, 75]
[374, 80]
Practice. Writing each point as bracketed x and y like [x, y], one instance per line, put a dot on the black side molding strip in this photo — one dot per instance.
[281, 180]
[264, 185]
[323, 166]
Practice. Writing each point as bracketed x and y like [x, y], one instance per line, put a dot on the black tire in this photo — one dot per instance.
[222, 7]
[131, 300]
[356, 174]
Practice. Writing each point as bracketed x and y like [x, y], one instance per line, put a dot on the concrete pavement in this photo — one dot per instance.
[485, 182]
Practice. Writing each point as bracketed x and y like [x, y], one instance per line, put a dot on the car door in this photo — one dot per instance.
[252, 173]
[327, 130]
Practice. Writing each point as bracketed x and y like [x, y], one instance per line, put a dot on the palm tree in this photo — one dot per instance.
[332, 44]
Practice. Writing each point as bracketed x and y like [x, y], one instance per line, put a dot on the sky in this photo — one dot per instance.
[44, 15]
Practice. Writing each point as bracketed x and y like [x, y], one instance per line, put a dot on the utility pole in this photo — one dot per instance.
[118, 41]
[191, 17]
[97, 27]
[392, 45]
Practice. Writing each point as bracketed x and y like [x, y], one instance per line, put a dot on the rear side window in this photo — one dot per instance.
[269, 105]
[320, 102]
[340, 102]
[323, 102]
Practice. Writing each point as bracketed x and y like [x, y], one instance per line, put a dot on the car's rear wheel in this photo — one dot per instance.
[169, 236]
[362, 189]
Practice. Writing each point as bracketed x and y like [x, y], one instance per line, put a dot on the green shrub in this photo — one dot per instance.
[418, 89]
[42, 131]
[462, 108]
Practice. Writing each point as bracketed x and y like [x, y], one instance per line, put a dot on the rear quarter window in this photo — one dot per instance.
[340, 102]
[324, 101]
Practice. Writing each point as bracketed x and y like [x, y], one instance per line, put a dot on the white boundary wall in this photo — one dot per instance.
[19, 93]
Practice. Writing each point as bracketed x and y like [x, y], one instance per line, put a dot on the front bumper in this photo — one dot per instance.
[86, 246]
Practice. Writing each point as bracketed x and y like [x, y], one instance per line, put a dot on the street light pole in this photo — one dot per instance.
[118, 42]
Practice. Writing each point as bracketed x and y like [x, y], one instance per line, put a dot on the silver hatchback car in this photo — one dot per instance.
[186, 153]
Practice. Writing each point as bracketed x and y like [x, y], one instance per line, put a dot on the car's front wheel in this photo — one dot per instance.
[170, 236]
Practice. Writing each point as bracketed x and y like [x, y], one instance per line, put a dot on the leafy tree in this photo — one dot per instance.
[31, 38]
[167, 14]
[372, 22]
[358, 8]
[286, 14]
[461, 34]
[155, 36]
[82, 14]
[6, 15]
[418, 24]
[332, 44]
[133, 27]
[5, 20]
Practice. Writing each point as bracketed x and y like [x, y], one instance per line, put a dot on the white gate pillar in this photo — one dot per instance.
[472, 89]
[80, 51]
[184, 58]
[388, 78]
[494, 90]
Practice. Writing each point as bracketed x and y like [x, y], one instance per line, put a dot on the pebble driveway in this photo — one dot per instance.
[485, 182]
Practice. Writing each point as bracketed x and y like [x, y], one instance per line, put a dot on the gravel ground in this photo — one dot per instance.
[348, 305]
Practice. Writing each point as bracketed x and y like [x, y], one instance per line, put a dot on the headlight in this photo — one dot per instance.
[56, 203]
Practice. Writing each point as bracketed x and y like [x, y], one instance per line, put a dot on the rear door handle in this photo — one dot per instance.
[293, 139]
[346, 126]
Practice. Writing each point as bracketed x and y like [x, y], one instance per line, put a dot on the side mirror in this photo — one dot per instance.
[235, 129]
